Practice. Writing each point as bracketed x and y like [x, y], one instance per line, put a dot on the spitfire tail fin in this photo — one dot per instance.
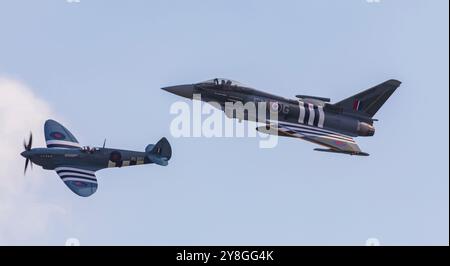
[370, 101]
[160, 152]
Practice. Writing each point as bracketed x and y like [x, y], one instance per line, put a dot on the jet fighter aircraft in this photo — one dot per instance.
[76, 165]
[311, 118]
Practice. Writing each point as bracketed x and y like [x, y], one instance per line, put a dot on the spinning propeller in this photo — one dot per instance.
[27, 147]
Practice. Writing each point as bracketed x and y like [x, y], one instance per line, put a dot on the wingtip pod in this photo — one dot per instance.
[159, 153]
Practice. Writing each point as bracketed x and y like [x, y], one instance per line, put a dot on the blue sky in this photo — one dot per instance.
[100, 65]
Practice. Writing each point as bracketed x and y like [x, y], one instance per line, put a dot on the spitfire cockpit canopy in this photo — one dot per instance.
[89, 149]
[223, 81]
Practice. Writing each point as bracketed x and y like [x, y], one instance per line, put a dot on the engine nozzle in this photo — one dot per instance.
[365, 129]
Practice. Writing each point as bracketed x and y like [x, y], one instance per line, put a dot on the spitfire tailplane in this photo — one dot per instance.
[160, 152]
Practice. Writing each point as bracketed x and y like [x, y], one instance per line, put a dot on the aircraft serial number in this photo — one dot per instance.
[229, 255]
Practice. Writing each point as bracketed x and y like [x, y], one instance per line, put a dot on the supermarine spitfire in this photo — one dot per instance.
[310, 118]
[76, 165]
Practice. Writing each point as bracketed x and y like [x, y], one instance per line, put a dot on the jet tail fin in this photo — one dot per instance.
[160, 152]
[370, 101]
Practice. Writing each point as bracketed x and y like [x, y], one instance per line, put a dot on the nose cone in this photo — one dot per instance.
[25, 154]
[186, 91]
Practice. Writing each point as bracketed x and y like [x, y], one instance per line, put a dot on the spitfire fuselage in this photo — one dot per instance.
[89, 158]
[76, 165]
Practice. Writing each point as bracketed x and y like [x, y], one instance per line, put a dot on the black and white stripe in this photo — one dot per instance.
[62, 144]
[310, 114]
[309, 127]
[302, 112]
[316, 115]
[312, 133]
[76, 174]
[321, 117]
[303, 130]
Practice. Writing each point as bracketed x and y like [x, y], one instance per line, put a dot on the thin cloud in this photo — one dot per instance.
[24, 216]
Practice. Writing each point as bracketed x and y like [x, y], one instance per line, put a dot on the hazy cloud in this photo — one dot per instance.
[23, 215]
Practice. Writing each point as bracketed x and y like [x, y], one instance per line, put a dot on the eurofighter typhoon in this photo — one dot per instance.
[311, 118]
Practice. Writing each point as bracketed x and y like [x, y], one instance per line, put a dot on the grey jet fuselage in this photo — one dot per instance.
[312, 111]
[311, 118]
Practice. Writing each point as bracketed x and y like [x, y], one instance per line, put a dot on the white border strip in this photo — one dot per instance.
[75, 175]
[74, 169]
[319, 133]
[283, 123]
[63, 142]
[79, 179]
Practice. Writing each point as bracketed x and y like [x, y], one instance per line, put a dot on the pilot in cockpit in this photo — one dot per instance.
[222, 82]
[87, 149]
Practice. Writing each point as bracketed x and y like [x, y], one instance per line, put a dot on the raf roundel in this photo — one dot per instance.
[115, 156]
[274, 106]
[80, 184]
[57, 135]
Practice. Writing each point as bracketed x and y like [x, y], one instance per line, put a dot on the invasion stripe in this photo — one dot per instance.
[304, 135]
[62, 168]
[79, 179]
[311, 114]
[63, 143]
[312, 128]
[62, 146]
[61, 172]
[316, 116]
[318, 131]
[306, 126]
[322, 134]
[321, 117]
[335, 139]
[301, 115]
[327, 135]
[78, 175]
[306, 118]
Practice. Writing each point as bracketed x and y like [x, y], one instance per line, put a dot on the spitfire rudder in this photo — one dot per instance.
[159, 153]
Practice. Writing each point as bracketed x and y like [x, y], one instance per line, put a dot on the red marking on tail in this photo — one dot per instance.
[356, 105]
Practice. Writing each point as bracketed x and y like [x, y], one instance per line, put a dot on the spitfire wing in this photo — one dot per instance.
[57, 136]
[81, 181]
[334, 141]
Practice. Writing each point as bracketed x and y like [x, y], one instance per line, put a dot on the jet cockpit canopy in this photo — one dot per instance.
[223, 81]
